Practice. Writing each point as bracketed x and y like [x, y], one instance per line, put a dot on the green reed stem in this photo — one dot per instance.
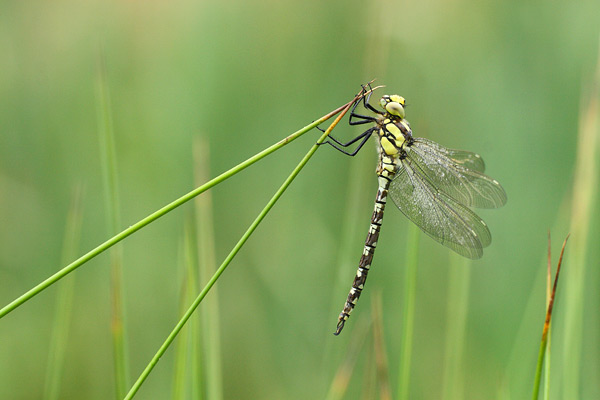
[209, 336]
[59, 341]
[164, 210]
[584, 203]
[108, 161]
[457, 305]
[232, 254]
[408, 314]
[546, 330]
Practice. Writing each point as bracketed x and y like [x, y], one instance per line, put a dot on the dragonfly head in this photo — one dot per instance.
[393, 104]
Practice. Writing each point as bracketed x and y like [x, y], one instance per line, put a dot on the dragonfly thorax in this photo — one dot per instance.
[395, 136]
[393, 105]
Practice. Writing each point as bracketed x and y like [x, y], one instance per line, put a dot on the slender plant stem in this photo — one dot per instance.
[59, 342]
[209, 336]
[382, 367]
[108, 157]
[186, 349]
[232, 254]
[545, 331]
[547, 361]
[583, 205]
[456, 321]
[164, 210]
[408, 320]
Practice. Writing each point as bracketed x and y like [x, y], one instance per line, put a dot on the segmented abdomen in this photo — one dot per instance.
[386, 172]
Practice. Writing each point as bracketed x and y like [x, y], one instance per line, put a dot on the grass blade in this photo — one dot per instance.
[548, 344]
[379, 349]
[233, 253]
[186, 348]
[544, 342]
[211, 329]
[64, 301]
[108, 160]
[583, 203]
[456, 322]
[162, 211]
[408, 313]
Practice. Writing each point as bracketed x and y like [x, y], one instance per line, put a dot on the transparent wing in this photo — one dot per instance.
[466, 159]
[436, 213]
[458, 173]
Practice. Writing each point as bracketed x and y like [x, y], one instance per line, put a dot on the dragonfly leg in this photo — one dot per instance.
[363, 119]
[357, 119]
[336, 144]
[366, 104]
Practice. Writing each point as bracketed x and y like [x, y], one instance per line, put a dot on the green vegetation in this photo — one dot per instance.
[516, 82]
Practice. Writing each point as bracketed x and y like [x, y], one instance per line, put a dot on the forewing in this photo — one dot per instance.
[457, 173]
[465, 158]
[437, 214]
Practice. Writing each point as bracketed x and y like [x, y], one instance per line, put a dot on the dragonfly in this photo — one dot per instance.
[433, 186]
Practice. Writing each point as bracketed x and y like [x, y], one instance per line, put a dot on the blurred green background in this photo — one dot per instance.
[508, 80]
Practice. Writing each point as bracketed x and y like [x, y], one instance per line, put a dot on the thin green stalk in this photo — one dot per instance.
[211, 324]
[185, 350]
[544, 342]
[456, 321]
[515, 380]
[546, 393]
[195, 349]
[232, 254]
[583, 204]
[408, 320]
[64, 302]
[379, 350]
[108, 160]
[157, 214]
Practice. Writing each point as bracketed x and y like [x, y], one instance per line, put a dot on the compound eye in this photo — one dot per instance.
[398, 99]
[395, 108]
[384, 100]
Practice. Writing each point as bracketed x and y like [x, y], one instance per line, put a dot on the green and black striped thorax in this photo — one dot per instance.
[394, 133]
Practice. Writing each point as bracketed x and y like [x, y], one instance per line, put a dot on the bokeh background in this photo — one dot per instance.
[510, 80]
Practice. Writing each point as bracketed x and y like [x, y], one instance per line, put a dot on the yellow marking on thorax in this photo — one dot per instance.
[405, 124]
[388, 147]
[394, 130]
[391, 137]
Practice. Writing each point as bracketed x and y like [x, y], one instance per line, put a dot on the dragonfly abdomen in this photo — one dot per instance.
[386, 175]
